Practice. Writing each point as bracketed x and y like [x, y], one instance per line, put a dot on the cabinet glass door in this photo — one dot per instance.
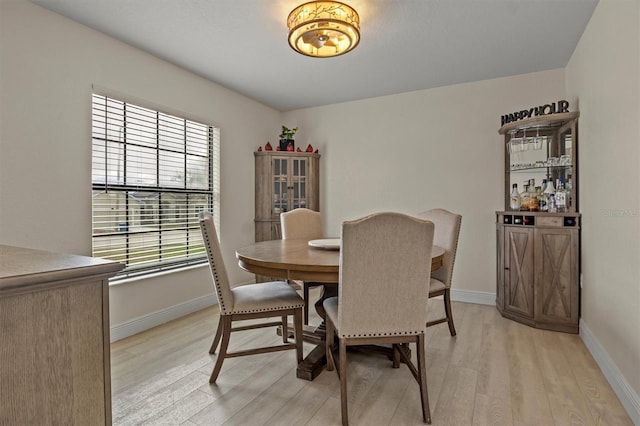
[280, 185]
[299, 183]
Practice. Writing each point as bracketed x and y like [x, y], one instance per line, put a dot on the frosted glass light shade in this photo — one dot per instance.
[323, 28]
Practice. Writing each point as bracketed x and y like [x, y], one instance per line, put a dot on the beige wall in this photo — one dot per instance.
[48, 65]
[415, 151]
[603, 76]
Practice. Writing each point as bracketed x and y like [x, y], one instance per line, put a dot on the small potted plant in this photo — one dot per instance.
[286, 138]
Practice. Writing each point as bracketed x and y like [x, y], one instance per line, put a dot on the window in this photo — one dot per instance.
[152, 173]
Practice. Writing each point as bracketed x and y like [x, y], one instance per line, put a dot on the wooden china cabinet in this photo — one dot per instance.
[538, 252]
[283, 181]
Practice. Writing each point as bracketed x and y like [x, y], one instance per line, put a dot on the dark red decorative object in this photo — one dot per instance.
[267, 147]
[309, 148]
[259, 149]
[278, 148]
[316, 151]
[298, 149]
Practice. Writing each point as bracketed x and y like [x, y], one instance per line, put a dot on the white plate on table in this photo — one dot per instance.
[326, 243]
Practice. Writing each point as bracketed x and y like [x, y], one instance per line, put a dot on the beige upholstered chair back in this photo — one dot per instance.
[385, 270]
[216, 263]
[447, 231]
[301, 224]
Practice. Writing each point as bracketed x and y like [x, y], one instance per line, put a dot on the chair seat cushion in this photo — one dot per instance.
[264, 297]
[436, 285]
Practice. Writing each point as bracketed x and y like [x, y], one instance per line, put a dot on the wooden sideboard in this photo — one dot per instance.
[54, 338]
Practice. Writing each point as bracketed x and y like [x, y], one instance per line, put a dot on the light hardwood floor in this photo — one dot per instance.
[494, 372]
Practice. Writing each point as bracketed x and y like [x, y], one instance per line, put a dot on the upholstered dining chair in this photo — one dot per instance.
[384, 281]
[447, 231]
[264, 300]
[302, 224]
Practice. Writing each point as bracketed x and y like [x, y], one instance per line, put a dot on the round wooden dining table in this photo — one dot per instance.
[298, 260]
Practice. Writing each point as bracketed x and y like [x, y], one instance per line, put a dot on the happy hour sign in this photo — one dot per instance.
[552, 108]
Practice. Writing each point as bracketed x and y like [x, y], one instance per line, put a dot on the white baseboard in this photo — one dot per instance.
[145, 322]
[478, 297]
[625, 393]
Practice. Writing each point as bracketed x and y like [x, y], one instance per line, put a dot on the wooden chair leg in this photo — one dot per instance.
[285, 329]
[328, 341]
[226, 333]
[343, 382]
[216, 339]
[305, 296]
[396, 355]
[297, 327]
[422, 375]
[447, 310]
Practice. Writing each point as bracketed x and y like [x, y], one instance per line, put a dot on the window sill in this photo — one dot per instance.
[156, 274]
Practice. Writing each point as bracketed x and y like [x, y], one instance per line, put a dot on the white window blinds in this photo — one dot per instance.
[152, 173]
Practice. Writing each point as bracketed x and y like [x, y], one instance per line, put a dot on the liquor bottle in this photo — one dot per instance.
[515, 198]
[524, 198]
[533, 198]
[561, 197]
[552, 204]
[546, 195]
[539, 200]
[542, 202]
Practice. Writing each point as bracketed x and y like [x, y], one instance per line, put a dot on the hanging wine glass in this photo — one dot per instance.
[525, 141]
[511, 144]
[537, 141]
[514, 147]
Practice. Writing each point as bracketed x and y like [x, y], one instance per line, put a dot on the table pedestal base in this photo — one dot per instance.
[316, 360]
[312, 364]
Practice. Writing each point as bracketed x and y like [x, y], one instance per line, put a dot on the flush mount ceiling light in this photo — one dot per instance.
[322, 29]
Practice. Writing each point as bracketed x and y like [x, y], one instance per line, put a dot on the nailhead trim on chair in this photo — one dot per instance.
[411, 333]
[298, 305]
[214, 269]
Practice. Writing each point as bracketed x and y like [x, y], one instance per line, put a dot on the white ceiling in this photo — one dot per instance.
[406, 45]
